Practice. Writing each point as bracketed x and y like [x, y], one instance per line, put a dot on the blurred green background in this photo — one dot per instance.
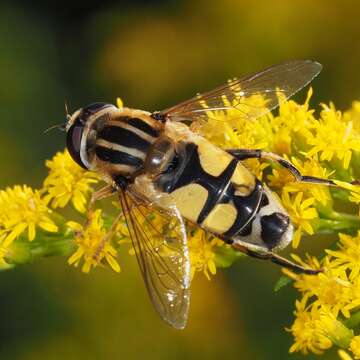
[153, 54]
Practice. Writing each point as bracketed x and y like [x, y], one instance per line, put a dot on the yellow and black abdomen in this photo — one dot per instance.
[214, 190]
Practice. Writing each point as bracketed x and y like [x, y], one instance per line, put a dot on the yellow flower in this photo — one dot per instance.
[280, 178]
[230, 128]
[311, 167]
[293, 123]
[257, 167]
[348, 255]
[67, 181]
[308, 336]
[354, 115]
[344, 355]
[332, 291]
[3, 251]
[334, 137]
[334, 329]
[23, 209]
[202, 255]
[89, 245]
[355, 346]
[301, 212]
[354, 191]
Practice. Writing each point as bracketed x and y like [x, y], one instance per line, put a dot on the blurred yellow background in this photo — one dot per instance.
[152, 54]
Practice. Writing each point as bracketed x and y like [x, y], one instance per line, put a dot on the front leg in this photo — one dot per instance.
[103, 193]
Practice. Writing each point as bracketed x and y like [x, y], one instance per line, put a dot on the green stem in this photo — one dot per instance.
[353, 321]
[22, 252]
[329, 226]
[332, 221]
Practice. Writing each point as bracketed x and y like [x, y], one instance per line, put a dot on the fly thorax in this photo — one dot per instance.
[160, 157]
[168, 161]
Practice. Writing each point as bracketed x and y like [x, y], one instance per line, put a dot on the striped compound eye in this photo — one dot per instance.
[73, 141]
[75, 129]
[92, 109]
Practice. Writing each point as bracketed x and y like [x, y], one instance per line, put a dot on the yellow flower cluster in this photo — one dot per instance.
[24, 210]
[90, 246]
[202, 253]
[326, 146]
[67, 181]
[330, 300]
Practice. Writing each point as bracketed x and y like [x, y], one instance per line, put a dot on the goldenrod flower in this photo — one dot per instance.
[334, 137]
[354, 191]
[355, 346]
[202, 255]
[347, 258]
[292, 125]
[67, 181]
[333, 293]
[280, 178]
[308, 336]
[301, 213]
[90, 248]
[22, 210]
[353, 115]
[257, 167]
[326, 147]
[310, 167]
[227, 129]
[343, 355]
[334, 329]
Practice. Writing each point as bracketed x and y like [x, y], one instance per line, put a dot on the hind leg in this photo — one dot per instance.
[242, 154]
[275, 258]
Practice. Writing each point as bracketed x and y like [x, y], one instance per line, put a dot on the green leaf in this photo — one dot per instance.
[225, 256]
[282, 282]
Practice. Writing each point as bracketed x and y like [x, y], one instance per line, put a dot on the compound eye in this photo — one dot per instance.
[95, 107]
[73, 141]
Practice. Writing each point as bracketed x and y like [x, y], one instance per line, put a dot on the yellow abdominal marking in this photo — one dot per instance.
[212, 159]
[190, 200]
[243, 180]
[221, 218]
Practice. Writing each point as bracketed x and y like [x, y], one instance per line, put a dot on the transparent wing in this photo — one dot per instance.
[159, 241]
[252, 96]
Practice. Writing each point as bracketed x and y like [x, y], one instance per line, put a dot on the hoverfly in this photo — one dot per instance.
[155, 164]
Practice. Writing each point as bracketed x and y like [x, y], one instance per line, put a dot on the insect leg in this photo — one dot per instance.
[96, 196]
[108, 236]
[277, 259]
[242, 154]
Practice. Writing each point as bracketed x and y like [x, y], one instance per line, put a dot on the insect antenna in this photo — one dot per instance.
[61, 127]
[68, 116]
